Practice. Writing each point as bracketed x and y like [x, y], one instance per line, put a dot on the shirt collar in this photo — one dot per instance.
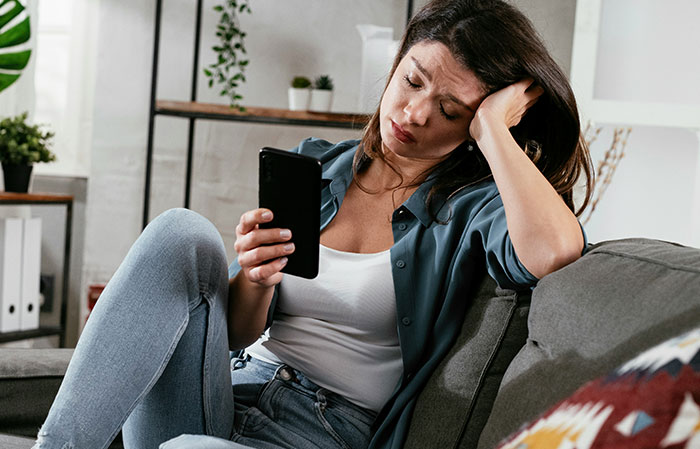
[416, 203]
[339, 175]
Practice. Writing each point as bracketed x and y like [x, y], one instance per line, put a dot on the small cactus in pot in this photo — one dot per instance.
[322, 94]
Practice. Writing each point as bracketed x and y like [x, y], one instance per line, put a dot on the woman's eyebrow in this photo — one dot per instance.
[459, 102]
[430, 78]
[422, 69]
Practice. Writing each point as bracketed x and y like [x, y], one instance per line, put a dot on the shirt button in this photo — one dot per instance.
[400, 263]
[402, 227]
[406, 321]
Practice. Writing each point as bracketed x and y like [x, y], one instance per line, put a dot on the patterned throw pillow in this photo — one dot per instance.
[652, 401]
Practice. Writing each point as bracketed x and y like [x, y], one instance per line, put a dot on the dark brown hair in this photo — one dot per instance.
[499, 44]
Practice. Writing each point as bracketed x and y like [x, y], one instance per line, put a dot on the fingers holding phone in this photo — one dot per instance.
[262, 253]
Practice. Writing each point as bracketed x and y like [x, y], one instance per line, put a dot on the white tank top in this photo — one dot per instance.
[339, 329]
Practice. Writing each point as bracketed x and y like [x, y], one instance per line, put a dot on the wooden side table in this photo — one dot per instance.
[11, 198]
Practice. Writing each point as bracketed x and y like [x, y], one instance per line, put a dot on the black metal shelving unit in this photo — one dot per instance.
[46, 199]
[193, 115]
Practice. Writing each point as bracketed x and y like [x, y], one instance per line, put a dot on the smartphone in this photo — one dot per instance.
[290, 186]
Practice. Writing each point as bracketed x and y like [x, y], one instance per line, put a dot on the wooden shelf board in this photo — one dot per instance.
[260, 115]
[31, 198]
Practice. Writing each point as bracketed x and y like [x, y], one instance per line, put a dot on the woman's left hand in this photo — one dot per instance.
[544, 232]
[506, 106]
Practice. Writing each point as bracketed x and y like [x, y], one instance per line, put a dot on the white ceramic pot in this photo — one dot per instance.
[298, 98]
[321, 100]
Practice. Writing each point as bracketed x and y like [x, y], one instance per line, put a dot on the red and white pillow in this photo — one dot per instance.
[652, 401]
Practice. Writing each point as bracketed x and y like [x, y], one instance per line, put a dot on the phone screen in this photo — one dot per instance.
[290, 186]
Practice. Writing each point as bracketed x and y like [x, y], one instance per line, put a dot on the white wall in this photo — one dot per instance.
[653, 191]
[284, 39]
[647, 51]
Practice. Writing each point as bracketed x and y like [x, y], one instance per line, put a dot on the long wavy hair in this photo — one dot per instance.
[500, 46]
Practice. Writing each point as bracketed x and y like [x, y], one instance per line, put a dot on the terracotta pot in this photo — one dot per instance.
[17, 177]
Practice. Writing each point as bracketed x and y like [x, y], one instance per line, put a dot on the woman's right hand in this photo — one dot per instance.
[262, 253]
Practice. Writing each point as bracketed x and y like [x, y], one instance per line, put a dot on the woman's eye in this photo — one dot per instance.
[410, 83]
[445, 114]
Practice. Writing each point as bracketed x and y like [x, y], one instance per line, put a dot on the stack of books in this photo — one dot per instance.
[20, 268]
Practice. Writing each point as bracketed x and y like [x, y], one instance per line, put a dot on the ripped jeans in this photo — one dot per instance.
[153, 361]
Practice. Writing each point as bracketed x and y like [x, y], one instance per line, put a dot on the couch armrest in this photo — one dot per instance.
[29, 381]
[621, 298]
[23, 363]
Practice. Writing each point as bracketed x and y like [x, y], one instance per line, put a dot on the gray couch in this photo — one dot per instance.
[518, 353]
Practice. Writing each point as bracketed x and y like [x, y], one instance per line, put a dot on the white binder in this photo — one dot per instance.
[31, 274]
[10, 273]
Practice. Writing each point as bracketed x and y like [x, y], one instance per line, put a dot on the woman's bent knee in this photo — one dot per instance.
[185, 229]
[184, 245]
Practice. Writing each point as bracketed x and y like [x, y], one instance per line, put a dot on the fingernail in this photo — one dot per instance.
[289, 247]
[283, 261]
[267, 215]
[285, 233]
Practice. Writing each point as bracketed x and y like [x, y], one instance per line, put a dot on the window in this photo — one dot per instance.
[64, 79]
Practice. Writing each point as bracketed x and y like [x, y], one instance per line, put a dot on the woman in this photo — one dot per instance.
[469, 163]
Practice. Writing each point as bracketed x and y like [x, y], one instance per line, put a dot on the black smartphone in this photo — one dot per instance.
[290, 186]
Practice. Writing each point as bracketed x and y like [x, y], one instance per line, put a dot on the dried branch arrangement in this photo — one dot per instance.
[606, 168]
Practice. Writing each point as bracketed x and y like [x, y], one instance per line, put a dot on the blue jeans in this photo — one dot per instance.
[153, 360]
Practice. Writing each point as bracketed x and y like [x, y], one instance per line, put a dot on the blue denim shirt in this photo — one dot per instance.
[435, 267]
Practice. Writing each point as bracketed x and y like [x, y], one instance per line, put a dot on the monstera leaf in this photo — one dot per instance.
[12, 62]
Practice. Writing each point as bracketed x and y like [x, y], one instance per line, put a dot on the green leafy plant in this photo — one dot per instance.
[323, 82]
[228, 70]
[24, 144]
[301, 82]
[12, 63]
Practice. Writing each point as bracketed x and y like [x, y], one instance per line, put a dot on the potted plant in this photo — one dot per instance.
[321, 94]
[231, 56]
[299, 93]
[21, 145]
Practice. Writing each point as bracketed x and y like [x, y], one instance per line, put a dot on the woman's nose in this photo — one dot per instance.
[417, 111]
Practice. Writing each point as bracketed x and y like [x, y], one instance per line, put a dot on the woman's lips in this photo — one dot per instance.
[401, 134]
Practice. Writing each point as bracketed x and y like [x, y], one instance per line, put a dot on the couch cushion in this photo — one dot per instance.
[620, 298]
[13, 442]
[29, 381]
[18, 363]
[454, 405]
[651, 401]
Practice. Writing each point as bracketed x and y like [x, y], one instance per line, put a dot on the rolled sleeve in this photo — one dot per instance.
[233, 269]
[502, 262]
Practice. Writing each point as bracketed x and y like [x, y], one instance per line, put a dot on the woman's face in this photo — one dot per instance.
[429, 103]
